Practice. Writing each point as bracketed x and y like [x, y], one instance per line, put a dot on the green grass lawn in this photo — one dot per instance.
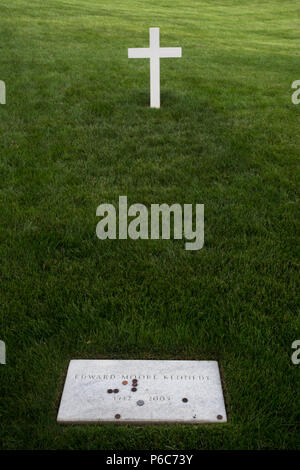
[77, 131]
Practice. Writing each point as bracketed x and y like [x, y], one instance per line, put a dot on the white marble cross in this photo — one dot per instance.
[154, 53]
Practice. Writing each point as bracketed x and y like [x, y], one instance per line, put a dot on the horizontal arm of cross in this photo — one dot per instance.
[169, 52]
[139, 53]
[146, 53]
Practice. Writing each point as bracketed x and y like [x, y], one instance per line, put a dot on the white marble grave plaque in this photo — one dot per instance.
[142, 392]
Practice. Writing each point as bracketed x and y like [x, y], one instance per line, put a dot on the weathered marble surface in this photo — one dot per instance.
[166, 392]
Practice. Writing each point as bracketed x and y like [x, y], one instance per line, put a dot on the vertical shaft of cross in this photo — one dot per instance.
[154, 68]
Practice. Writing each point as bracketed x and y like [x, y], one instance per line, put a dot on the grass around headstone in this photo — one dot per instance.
[77, 131]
